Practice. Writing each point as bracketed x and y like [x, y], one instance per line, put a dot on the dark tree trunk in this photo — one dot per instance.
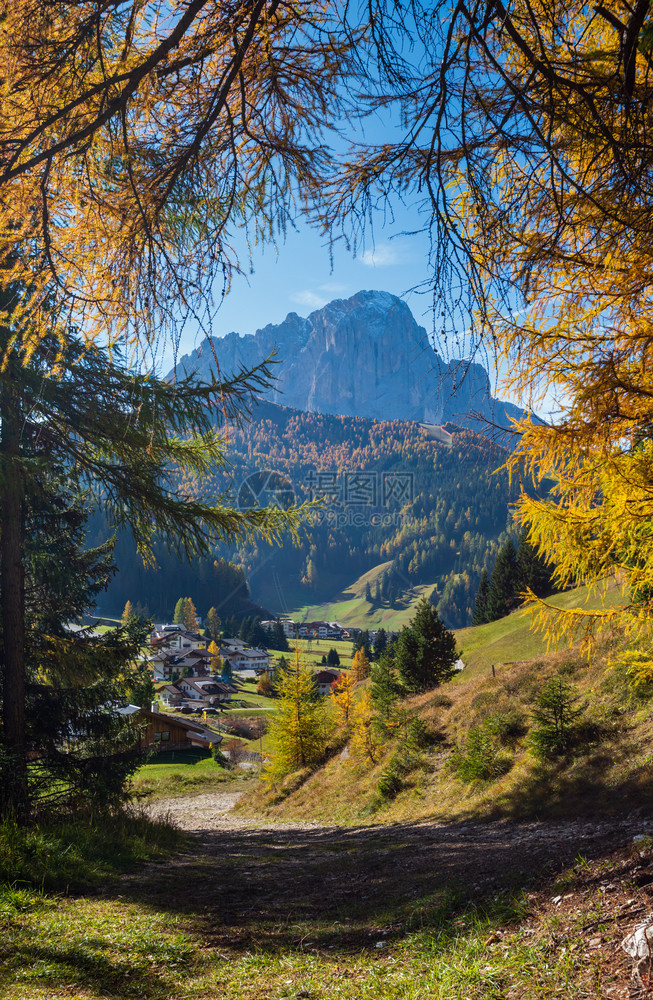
[12, 600]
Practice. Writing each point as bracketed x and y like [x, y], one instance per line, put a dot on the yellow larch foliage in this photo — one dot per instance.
[342, 697]
[136, 136]
[360, 666]
[365, 741]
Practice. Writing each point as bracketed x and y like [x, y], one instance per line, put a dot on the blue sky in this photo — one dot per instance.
[300, 275]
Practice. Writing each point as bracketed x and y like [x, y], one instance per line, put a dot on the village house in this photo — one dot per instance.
[163, 732]
[207, 690]
[242, 658]
[323, 681]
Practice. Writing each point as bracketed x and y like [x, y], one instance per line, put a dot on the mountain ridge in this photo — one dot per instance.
[363, 356]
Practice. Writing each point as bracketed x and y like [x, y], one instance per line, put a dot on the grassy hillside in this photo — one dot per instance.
[607, 767]
[350, 608]
[513, 638]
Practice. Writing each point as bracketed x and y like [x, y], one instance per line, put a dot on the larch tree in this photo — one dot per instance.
[127, 613]
[360, 666]
[299, 728]
[178, 614]
[136, 138]
[190, 615]
[528, 143]
[366, 742]
[215, 659]
[342, 697]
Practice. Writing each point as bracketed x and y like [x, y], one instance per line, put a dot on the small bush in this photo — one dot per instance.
[556, 727]
[218, 756]
[483, 757]
[405, 759]
[417, 734]
[441, 701]
[568, 668]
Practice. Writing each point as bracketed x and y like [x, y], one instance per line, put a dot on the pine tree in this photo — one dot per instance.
[279, 639]
[368, 593]
[377, 593]
[480, 606]
[504, 583]
[533, 572]
[212, 625]
[298, 729]
[333, 658]
[227, 672]
[425, 651]
[385, 688]
[380, 643]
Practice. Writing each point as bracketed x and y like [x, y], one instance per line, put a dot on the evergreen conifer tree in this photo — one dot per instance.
[333, 658]
[386, 688]
[504, 583]
[279, 640]
[533, 572]
[380, 643]
[178, 615]
[425, 651]
[212, 625]
[480, 606]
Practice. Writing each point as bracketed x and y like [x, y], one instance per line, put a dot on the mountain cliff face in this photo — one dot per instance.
[364, 356]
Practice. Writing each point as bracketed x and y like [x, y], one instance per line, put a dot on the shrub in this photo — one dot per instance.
[404, 760]
[482, 757]
[556, 720]
[218, 756]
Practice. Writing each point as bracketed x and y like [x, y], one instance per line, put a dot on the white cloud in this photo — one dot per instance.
[308, 298]
[382, 255]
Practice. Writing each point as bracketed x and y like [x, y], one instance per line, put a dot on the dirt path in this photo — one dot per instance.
[245, 885]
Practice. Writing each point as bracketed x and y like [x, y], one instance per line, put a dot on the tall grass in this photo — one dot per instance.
[77, 854]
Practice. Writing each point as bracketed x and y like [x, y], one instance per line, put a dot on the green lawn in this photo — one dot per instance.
[179, 771]
[512, 638]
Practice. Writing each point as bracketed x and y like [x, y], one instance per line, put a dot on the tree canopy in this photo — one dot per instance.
[135, 138]
[527, 140]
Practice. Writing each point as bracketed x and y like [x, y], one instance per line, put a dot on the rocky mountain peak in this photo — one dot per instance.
[361, 356]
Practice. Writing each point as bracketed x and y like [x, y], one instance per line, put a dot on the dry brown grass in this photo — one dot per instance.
[609, 770]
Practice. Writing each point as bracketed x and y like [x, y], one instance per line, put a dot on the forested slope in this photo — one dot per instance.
[391, 494]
